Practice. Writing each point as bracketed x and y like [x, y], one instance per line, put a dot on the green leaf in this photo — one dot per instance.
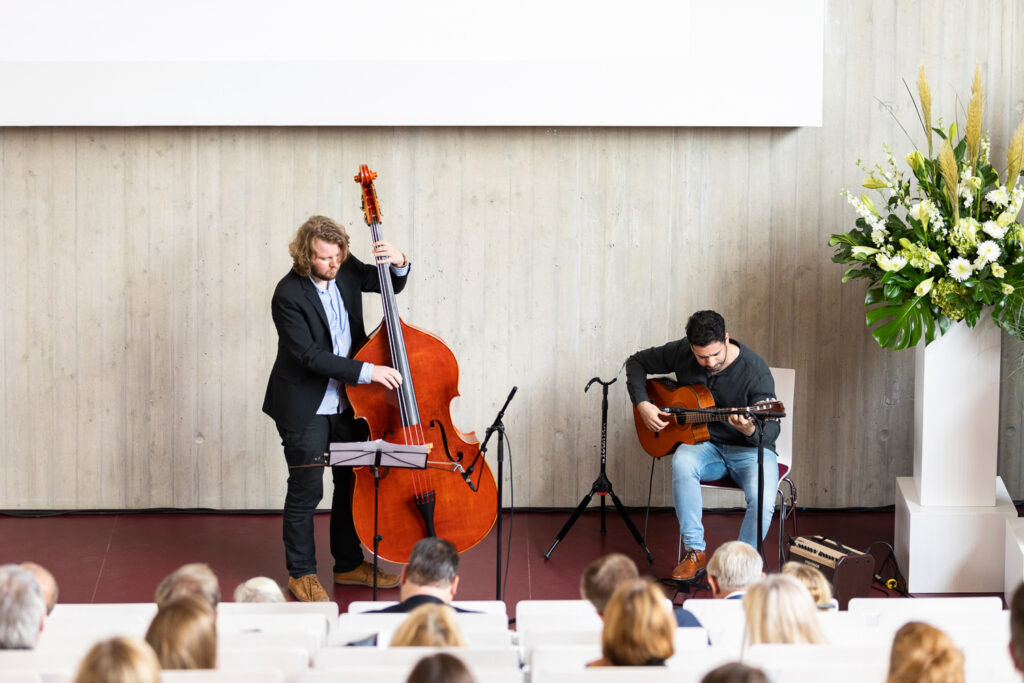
[899, 326]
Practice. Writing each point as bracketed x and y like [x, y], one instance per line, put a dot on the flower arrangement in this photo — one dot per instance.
[945, 243]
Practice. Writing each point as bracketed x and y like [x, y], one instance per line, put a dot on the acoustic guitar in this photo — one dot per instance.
[692, 408]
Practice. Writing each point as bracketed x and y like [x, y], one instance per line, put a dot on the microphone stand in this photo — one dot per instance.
[499, 427]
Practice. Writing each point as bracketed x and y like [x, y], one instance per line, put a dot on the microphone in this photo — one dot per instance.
[465, 477]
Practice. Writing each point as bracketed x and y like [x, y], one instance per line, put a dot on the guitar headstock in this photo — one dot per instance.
[371, 208]
[771, 409]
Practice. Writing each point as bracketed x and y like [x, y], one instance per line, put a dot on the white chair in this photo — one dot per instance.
[20, 677]
[919, 609]
[481, 630]
[618, 674]
[485, 606]
[219, 676]
[313, 624]
[552, 614]
[253, 640]
[365, 657]
[785, 390]
[814, 663]
[399, 674]
[55, 661]
[291, 662]
[329, 610]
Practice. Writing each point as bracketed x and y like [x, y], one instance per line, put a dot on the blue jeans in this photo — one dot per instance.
[710, 461]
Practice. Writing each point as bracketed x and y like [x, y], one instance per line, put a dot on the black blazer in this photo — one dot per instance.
[305, 357]
[414, 601]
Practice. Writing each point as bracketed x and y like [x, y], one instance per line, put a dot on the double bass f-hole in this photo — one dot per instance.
[466, 472]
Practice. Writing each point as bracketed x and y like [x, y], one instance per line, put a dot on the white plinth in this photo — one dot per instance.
[1013, 571]
[956, 416]
[951, 549]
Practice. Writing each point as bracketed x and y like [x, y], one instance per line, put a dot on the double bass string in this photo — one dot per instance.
[420, 480]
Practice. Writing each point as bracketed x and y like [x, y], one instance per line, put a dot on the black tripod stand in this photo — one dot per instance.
[602, 486]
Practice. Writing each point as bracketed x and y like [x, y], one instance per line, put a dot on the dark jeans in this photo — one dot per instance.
[306, 489]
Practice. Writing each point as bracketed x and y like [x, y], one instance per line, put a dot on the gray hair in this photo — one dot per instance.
[735, 565]
[259, 589]
[433, 562]
[22, 608]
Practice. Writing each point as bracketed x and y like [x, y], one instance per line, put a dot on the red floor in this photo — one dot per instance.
[122, 557]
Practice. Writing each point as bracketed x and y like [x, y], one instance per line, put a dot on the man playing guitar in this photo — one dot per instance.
[735, 376]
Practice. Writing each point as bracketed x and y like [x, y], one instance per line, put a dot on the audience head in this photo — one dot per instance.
[602, 577]
[47, 583]
[924, 654]
[432, 570]
[184, 634]
[734, 566]
[638, 626]
[22, 609]
[735, 672]
[119, 660]
[780, 610]
[259, 589]
[429, 625]
[1017, 627]
[813, 580]
[440, 668]
[190, 579]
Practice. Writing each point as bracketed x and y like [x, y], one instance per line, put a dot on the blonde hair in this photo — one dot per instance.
[922, 653]
[315, 228]
[195, 578]
[780, 609]
[184, 634]
[638, 626]
[429, 626]
[812, 579]
[119, 660]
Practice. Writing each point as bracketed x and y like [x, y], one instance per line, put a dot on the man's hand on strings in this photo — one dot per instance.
[389, 377]
[652, 417]
[385, 252]
[744, 424]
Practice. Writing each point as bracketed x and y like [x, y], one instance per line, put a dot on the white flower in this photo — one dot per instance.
[998, 270]
[890, 263]
[1007, 289]
[988, 251]
[924, 286]
[993, 229]
[878, 236]
[960, 269]
[998, 196]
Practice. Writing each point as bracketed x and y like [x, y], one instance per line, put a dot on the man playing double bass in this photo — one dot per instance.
[318, 312]
[736, 377]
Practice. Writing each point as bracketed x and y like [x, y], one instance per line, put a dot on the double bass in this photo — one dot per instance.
[455, 496]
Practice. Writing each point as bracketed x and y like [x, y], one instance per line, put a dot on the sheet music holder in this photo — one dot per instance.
[377, 454]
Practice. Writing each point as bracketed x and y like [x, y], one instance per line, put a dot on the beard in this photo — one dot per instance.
[324, 273]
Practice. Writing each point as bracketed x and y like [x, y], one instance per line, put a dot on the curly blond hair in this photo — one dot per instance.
[315, 228]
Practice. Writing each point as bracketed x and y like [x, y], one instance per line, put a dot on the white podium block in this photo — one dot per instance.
[956, 416]
[1013, 571]
[951, 549]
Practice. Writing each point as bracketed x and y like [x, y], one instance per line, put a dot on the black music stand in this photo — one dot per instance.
[601, 485]
[377, 454]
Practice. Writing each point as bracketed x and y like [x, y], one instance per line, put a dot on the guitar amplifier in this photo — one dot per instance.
[849, 571]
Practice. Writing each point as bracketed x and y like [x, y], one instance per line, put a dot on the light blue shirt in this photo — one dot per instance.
[334, 400]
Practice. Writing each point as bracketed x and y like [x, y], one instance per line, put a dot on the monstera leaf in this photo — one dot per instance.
[900, 326]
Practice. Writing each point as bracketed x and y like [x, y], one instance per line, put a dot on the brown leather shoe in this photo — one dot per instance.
[308, 589]
[693, 564]
[363, 576]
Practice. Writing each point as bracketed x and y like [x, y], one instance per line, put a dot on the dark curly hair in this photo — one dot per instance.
[705, 327]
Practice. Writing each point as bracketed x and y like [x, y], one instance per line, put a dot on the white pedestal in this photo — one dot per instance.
[951, 549]
[956, 416]
[1013, 569]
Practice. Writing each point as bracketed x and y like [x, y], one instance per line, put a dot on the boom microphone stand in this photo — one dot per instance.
[499, 427]
[601, 486]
